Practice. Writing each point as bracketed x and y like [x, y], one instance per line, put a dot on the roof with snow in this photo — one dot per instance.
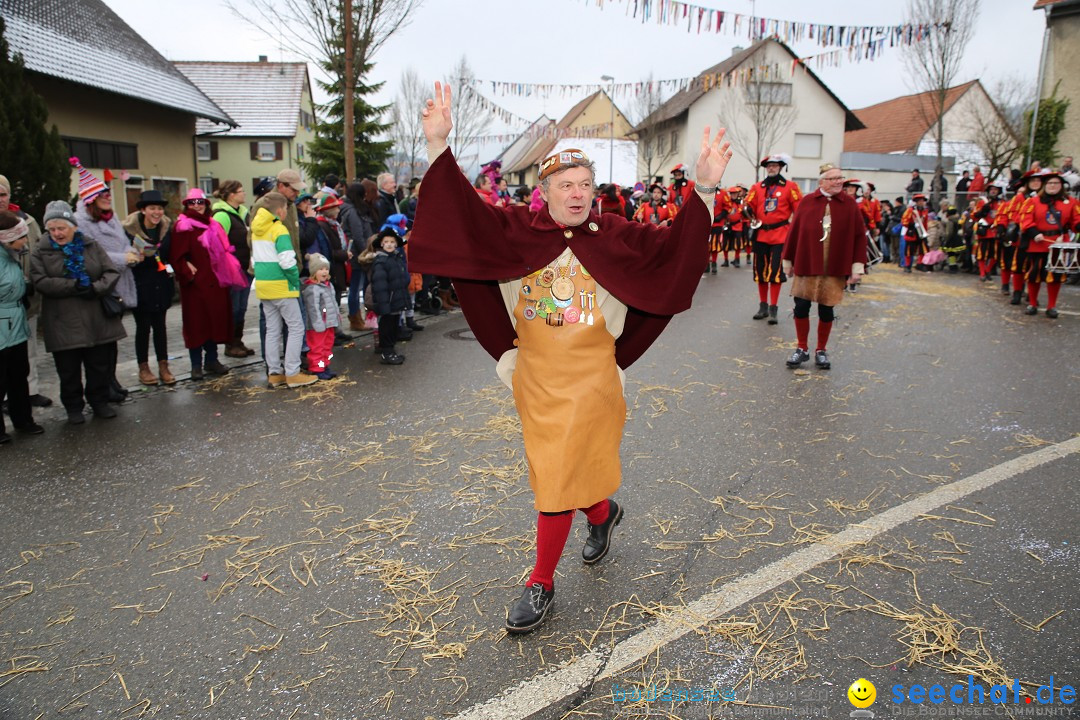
[247, 91]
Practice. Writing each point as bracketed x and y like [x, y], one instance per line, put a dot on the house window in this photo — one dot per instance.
[807, 145]
[769, 93]
[202, 150]
[674, 141]
[266, 151]
[206, 184]
[299, 151]
[661, 145]
[103, 153]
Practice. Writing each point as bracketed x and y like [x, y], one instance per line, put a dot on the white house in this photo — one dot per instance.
[768, 103]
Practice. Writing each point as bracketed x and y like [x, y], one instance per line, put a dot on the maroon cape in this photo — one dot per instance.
[654, 271]
[847, 241]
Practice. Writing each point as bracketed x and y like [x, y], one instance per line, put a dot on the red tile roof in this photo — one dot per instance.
[898, 125]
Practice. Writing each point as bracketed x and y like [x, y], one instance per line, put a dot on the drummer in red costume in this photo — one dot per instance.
[562, 298]
[658, 211]
[771, 202]
[734, 224]
[854, 188]
[716, 236]
[915, 221]
[681, 187]
[1045, 219]
[825, 250]
[1030, 185]
[986, 251]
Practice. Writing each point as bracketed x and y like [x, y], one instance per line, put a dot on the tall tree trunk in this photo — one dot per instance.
[350, 105]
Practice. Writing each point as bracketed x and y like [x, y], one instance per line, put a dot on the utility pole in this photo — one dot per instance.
[611, 130]
[350, 123]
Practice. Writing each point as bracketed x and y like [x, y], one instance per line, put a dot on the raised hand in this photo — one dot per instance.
[436, 117]
[713, 159]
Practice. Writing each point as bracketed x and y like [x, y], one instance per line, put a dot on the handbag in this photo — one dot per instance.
[112, 305]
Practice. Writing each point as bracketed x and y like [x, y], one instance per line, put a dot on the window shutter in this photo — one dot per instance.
[254, 184]
[214, 184]
[213, 150]
[277, 151]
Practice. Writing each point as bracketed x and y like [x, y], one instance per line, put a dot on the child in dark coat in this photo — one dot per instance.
[389, 292]
[323, 316]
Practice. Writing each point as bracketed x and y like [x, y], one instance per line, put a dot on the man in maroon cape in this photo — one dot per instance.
[825, 247]
[562, 298]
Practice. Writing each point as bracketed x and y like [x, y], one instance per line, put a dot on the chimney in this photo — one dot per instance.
[262, 58]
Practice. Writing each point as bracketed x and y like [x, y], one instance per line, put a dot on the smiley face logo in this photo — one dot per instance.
[862, 693]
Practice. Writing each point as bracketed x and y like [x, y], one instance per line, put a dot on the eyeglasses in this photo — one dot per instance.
[834, 179]
[196, 202]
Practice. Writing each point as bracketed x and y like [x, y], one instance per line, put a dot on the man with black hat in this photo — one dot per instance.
[770, 205]
[587, 295]
[1046, 218]
[985, 238]
[916, 221]
[1014, 252]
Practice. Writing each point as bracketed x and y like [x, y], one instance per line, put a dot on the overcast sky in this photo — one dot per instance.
[576, 41]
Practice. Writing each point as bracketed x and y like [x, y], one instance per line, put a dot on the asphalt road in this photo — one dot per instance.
[349, 550]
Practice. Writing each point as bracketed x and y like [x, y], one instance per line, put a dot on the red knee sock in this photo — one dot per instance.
[1052, 290]
[598, 513]
[1006, 275]
[551, 534]
[763, 291]
[823, 330]
[982, 268]
[712, 257]
[990, 264]
[1033, 293]
[774, 293]
[725, 256]
[1018, 281]
[802, 331]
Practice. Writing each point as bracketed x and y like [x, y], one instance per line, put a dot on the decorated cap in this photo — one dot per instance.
[89, 185]
[678, 168]
[563, 160]
[776, 158]
[329, 201]
[870, 185]
[396, 223]
[194, 194]
[657, 186]
[737, 187]
[918, 196]
[853, 181]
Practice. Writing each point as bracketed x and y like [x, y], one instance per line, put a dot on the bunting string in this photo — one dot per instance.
[701, 19]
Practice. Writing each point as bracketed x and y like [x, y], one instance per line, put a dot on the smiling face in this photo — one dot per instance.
[388, 245]
[153, 214]
[862, 693]
[569, 196]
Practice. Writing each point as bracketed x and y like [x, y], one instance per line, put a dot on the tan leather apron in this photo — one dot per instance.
[568, 393]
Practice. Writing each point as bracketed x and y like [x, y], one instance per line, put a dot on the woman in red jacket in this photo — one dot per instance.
[1045, 219]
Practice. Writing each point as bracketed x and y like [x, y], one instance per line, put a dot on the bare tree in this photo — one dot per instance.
[647, 128]
[472, 115]
[999, 134]
[406, 126]
[933, 63]
[757, 115]
[311, 28]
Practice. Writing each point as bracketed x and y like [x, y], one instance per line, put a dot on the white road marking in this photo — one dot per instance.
[531, 696]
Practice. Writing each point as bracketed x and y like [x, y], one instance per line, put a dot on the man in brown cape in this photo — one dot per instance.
[562, 298]
[826, 247]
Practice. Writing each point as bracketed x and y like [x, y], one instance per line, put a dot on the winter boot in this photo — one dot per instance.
[356, 321]
[772, 314]
[145, 376]
[163, 372]
[762, 312]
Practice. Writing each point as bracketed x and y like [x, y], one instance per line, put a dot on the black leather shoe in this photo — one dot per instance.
[4, 438]
[773, 309]
[391, 359]
[1017, 296]
[32, 429]
[413, 325]
[40, 401]
[821, 359]
[75, 417]
[1005, 289]
[1031, 310]
[103, 411]
[197, 373]
[762, 311]
[530, 610]
[1051, 312]
[599, 542]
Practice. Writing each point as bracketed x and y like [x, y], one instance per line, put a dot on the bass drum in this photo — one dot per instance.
[873, 252]
[1063, 258]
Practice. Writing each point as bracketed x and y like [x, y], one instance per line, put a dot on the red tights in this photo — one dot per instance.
[552, 530]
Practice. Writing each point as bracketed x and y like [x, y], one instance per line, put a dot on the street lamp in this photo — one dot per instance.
[611, 127]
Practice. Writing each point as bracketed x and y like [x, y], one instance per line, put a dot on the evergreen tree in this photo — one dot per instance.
[326, 154]
[32, 158]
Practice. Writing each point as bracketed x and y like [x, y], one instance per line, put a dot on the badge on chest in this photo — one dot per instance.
[771, 203]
